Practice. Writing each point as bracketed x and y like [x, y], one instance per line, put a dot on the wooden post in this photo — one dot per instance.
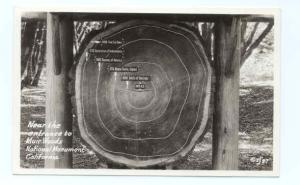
[226, 115]
[58, 102]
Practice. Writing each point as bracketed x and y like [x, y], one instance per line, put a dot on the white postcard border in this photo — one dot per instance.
[138, 9]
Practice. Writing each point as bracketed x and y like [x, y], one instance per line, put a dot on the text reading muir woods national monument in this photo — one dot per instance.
[53, 141]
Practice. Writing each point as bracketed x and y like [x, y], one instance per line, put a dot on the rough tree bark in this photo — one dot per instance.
[226, 115]
[58, 101]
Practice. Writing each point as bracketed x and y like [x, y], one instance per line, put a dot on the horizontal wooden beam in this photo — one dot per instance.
[258, 18]
[34, 16]
[150, 16]
[84, 16]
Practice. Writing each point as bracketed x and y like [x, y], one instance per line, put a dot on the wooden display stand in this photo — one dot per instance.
[226, 67]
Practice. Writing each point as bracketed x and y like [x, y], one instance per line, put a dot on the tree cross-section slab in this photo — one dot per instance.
[142, 93]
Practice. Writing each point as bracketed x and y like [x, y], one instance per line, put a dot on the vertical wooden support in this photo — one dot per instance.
[226, 115]
[58, 102]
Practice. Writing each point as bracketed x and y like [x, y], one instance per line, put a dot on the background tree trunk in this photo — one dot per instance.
[40, 56]
[33, 51]
[27, 46]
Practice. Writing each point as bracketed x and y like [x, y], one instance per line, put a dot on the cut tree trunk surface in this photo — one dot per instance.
[142, 93]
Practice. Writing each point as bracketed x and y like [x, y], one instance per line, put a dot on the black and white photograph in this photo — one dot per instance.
[169, 93]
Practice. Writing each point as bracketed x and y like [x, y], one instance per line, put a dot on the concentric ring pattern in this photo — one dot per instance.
[142, 93]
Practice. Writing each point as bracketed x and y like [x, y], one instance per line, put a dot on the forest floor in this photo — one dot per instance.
[255, 132]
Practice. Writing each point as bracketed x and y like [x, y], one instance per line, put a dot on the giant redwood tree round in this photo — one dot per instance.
[142, 93]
